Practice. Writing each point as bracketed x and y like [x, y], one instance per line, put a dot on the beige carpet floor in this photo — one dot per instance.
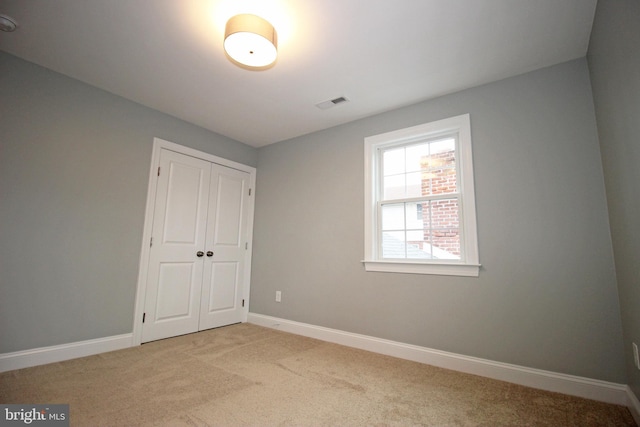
[253, 376]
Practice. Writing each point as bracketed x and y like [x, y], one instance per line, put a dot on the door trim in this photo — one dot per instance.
[158, 146]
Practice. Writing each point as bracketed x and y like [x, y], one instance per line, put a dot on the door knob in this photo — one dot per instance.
[199, 254]
[209, 253]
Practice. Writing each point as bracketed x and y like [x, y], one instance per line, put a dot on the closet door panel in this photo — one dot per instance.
[227, 239]
[175, 274]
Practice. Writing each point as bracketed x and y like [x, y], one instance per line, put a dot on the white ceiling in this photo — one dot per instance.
[380, 54]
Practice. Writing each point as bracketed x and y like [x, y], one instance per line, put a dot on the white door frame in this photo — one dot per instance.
[158, 145]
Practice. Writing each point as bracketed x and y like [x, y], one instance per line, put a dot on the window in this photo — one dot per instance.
[419, 200]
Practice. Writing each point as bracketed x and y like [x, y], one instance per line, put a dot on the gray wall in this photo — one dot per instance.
[614, 63]
[546, 296]
[74, 164]
[74, 168]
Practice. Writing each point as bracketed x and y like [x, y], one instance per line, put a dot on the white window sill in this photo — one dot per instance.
[442, 269]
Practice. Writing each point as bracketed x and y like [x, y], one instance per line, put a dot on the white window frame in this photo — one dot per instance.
[469, 264]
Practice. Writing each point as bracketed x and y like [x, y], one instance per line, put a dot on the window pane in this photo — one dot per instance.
[416, 155]
[417, 245]
[443, 180]
[393, 244]
[393, 161]
[394, 187]
[443, 146]
[393, 217]
[414, 184]
[446, 243]
[417, 215]
[444, 213]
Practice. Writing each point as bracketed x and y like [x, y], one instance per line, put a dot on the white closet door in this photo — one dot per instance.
[175, 274]
[224, 268]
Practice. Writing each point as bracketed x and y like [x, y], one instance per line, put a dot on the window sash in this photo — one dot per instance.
[460, 227]
[382, 149]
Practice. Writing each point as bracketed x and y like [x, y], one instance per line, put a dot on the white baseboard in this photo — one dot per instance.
[633, 405]
[57, 353]
[603, 391]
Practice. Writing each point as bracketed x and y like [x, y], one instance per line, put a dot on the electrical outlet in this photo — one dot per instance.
[636, 361]
[278, 296]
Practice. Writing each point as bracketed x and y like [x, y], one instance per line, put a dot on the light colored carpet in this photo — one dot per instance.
[253, 376]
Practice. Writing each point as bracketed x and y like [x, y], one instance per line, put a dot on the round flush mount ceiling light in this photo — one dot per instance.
[7, 24]
[251, 41]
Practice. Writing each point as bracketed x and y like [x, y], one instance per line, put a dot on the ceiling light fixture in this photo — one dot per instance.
[7, 24]
[251, 41]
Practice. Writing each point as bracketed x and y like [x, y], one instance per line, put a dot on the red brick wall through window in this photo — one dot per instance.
[440, 217]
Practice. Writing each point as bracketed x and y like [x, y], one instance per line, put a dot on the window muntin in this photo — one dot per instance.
[414, 218]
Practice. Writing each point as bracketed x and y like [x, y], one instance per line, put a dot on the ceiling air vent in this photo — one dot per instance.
[332, 102]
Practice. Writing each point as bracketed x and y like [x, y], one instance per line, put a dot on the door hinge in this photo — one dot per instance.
[151, 243]
[144, 316]
[249, 191]
[158, 170]
[246, 246]
[243, 303]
